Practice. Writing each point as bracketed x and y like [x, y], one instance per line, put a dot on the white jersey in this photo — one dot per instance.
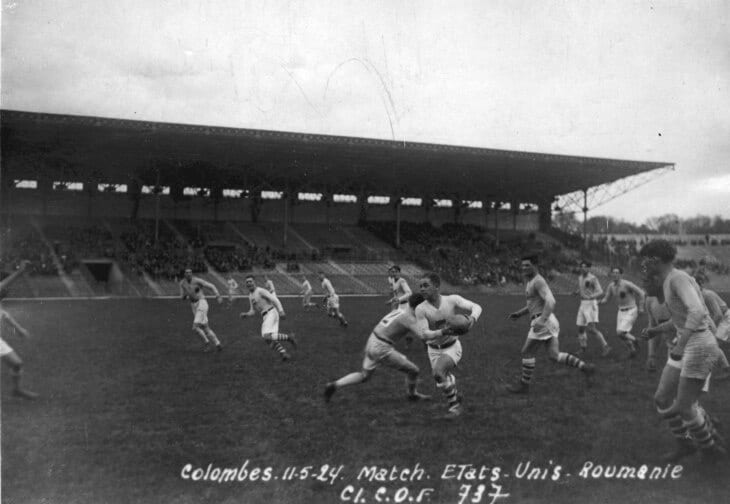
[260, 302]
[194, 288]
[589, 287]
[432, 318]
[327, 287]
[306, 287]
[401, 290]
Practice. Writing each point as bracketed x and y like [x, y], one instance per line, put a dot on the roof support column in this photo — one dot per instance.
[497, 204]
[585, 219]
[286, 197]
[544, 214]
[397, 221]
[158, 190]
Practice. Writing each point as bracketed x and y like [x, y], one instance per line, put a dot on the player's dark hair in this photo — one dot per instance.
[661, 249]
[619, 269]
[249, 276]
[415, 299]
[434, 278]
[587, 264]
[533, 258]
[395, 267]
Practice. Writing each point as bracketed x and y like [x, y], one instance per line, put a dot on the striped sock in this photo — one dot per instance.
[700, 431]
[708, 419]
[448, 387]
[674, 422]
[528, 368]
[280, 337]
[275, 345]
[570, 360]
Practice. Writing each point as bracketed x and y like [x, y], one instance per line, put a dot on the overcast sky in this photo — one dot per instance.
[638, 80]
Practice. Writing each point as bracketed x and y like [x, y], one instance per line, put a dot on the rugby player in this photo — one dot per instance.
[232, 288]
[332, 300]
[401, 291]
[271, 309]
[191, 288]
[630, 300]
[589, 290]
[306, 293]
[443, 345]
[7, 354]
[660, 330]
[380, 351]
[696, 348]
[544, 327]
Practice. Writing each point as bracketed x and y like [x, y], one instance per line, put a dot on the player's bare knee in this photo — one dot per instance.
[439, 375]
[366, 374]
[410, 369]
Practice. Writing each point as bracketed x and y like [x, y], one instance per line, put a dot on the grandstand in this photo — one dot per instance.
[83, 192]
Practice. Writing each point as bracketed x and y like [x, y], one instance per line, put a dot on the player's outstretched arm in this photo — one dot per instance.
[519, 313]
[251, 311]
[210, 287]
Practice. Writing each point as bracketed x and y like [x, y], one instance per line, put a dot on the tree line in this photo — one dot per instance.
[663, 224]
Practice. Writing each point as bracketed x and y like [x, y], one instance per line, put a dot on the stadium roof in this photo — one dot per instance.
[116, 150]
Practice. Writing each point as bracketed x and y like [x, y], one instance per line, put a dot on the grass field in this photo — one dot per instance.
[129, 400]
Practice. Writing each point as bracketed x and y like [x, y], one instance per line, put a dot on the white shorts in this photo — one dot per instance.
[551, 329]
[5, 349]
[333, 302]
[454, 351]
[677, 365]
[625, 319]
[723, 328]
[200, 312]
[587, 313]
[379, 353]
[270, 323]
[702, 355]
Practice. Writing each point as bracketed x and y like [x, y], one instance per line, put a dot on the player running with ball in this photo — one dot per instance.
[442, 340]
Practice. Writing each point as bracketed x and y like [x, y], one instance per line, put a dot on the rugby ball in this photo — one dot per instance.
[459, 323]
